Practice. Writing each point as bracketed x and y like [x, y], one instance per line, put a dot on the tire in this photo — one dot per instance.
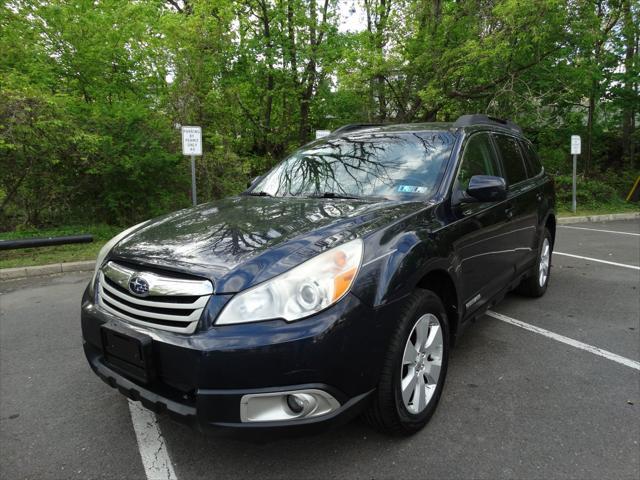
[535, 284]
[389, 412]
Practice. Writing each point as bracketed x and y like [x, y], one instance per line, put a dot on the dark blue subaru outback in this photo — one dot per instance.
[335, 285]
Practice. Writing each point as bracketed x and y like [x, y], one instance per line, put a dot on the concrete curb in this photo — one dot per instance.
[37, 271]
[599, 218]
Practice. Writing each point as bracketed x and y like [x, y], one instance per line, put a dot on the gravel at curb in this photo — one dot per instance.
[23, 272]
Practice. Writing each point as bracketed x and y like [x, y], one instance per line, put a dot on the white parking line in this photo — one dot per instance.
[599, 230]
[153, 450]
[616, 264]
[569, 341]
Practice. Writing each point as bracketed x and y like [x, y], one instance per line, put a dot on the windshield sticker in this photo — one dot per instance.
[412, 189]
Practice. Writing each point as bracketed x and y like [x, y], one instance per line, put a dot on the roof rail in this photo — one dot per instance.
[354, 126]
[481, 119]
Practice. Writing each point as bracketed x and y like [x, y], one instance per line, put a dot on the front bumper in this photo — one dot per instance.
[214, 403]
[201, 378]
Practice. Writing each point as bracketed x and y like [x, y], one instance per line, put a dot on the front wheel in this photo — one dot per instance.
[415, 367]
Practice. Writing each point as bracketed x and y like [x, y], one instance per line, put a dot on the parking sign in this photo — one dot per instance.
[575, 145]
[192, 141]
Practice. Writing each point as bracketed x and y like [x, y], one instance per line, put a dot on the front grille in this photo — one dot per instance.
[171, 303]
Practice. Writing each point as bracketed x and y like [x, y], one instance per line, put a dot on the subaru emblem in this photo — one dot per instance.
[139, 286]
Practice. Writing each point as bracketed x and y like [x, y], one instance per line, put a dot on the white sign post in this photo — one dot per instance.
[192, 145]
[575, 151]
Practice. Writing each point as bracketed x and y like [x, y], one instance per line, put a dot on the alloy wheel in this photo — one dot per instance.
[421, 363]
[545, 255]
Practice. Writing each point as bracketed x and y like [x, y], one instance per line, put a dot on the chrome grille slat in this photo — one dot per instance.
[144, 313]
[189, 329]
[174, 304]
[201, 302]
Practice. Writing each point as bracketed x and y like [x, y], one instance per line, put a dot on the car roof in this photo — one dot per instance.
[467, 123]
[393, 127]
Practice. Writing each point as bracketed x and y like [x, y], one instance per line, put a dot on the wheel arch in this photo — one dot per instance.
[440, 282]
[550, 224]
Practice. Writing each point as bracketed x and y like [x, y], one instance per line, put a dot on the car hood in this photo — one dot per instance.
[240, 241]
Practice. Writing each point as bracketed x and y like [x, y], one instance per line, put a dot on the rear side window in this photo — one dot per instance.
[478, 159]
[533, 162]
[511, 159]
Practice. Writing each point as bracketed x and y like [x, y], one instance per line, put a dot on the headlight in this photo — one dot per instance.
[104, 251]
[302, 291]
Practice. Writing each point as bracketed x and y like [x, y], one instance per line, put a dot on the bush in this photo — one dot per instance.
[591, 193]
[66, 161]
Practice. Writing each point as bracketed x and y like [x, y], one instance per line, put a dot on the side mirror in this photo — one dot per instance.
[252, 182]
[487, 188]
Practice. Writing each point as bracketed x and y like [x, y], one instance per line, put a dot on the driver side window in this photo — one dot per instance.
[478, 159]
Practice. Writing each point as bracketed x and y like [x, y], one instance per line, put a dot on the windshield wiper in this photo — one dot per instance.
[259, 194]
[333, 195]
[352, 197]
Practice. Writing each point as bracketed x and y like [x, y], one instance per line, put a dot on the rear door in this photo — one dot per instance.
[539, 182]
[522, 202]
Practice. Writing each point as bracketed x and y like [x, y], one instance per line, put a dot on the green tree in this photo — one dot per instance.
[91, 92]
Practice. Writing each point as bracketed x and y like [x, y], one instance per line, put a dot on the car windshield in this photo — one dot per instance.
[406, 165]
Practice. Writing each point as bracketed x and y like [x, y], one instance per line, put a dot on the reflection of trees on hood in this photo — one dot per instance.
[238, 234]
[240, 229]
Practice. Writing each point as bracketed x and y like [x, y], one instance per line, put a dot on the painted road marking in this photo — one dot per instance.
[616, 264]
[569, 341]
[153, 450]
[599, 230]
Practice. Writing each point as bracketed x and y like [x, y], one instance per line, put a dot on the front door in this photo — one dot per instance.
[482, 245]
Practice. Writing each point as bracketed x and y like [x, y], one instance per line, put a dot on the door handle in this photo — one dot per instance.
[509, 212]
[539, 196]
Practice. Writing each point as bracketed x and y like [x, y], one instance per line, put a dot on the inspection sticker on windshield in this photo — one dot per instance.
[412, 189]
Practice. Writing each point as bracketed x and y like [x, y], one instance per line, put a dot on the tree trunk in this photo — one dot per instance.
[382, 99]
[305, 104]
[377, 13]
[293, 61]
[381, 27]
[268, 106]
[309, 78]
[590, 119]
[628, 111]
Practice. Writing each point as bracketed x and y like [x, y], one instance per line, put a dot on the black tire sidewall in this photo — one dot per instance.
[428, 303]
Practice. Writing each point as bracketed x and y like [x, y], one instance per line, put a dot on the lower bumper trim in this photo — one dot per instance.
[192, 416]
[150, 400]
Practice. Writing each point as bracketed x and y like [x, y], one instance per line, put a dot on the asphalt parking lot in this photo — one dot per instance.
[517, 404]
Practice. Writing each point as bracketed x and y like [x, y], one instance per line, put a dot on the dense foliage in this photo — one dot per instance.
[91, 91]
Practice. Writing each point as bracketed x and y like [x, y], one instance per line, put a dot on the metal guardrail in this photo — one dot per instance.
[44, 242]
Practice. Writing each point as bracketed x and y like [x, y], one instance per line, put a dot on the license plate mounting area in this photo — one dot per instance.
[128, 352]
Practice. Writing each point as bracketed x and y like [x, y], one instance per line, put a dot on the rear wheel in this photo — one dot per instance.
[535, 285]
[415, 367]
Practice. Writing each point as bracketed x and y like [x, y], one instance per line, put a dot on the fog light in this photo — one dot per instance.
[295, 403]
[302, 404]
[278, 406]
